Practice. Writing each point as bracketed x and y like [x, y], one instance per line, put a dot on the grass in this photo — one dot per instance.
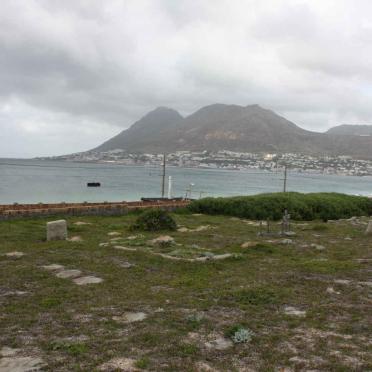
[188, 303]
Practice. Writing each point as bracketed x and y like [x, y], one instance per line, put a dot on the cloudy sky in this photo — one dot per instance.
[73, 73]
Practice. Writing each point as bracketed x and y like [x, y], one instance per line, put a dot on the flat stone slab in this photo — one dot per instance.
[290, 310]
[21, 364]
[124, 248]
[83, 280]
[342, 281]
[14, 254]
[53, 267]
[163, 239]
[113, 233]
[81, 223]
[57, 230]
[103, 244]
[130, 317]
[66, 274]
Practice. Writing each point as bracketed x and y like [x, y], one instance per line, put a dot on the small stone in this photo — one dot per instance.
[221, 256]
[290, 310]
[81, 223]
[83, 280]
[342, 281]
[289, 233]
[286, 241]
[116, 239]
[57, 230]
[124, 248]
[53, 267]
[125, 265]
[131, 237]
[248, 244]
[130, 317]
[103, 244]
[14, 254]
[75, 239]
[183, 229]
[348, 238]
[317, 247]
[65, 274]
[113, 233]
[330, 290]
[162, 240]
[369, 228]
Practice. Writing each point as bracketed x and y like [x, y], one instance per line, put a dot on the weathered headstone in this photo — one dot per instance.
[57, 230]
[369, 228]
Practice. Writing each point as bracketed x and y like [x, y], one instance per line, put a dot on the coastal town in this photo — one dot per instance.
[301, 163]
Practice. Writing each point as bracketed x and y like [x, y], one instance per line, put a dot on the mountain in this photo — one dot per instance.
[354, 130]
[232, 127]
[147, 134]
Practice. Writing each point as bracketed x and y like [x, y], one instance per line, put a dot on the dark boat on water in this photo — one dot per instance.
[93, 184]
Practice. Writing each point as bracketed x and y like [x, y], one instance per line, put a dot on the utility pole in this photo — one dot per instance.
[163, 178]
[285, 178]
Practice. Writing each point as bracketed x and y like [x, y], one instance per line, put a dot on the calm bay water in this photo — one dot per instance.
[31, 181]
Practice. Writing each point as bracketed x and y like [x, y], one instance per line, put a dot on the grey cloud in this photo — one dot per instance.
[92, 68]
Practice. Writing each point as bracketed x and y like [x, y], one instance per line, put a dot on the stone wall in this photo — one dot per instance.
[14, 211]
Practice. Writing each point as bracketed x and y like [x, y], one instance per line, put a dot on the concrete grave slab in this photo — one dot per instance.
[57, 230]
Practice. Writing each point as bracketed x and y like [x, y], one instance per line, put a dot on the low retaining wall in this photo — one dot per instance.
[14, 211]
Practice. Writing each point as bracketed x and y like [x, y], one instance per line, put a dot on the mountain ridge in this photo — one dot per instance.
[220, 126]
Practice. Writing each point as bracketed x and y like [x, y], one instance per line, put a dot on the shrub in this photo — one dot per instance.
[239, 334]
[306, 207]
[154, 220]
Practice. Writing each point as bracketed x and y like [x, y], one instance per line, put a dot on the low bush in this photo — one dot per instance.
[154, 220]
[305, 207]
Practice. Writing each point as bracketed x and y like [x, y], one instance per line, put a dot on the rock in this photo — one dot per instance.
[330, 290]
[131, 237]
[204, 367]
[183, 229]
[248, 244]
[103, 244]
[119, 364]
[116, 239]
[53, 267]
[369, 228]
[317, 246]
[21, 364]
[286, 241]
[14, 254]
[348, 238]
[221, 256]
[130, 317]
[81, 223]
[83, 280]
[289, 233]
[342, 281]
[290, 310]
[113, 233]
[125, 265]
[75, 239]
[124, 248]
[65, 274]
[203, 228]
[57, 230]
[162, 240]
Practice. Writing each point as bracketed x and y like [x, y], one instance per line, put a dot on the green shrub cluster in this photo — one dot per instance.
[154, 220]
[305, 207]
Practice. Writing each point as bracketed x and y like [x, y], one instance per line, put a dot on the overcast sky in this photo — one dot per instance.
[73, 73]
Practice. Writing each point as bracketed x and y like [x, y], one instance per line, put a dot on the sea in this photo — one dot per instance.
[45, 181]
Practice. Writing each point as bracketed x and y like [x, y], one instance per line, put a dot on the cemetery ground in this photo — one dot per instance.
[173, 306]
